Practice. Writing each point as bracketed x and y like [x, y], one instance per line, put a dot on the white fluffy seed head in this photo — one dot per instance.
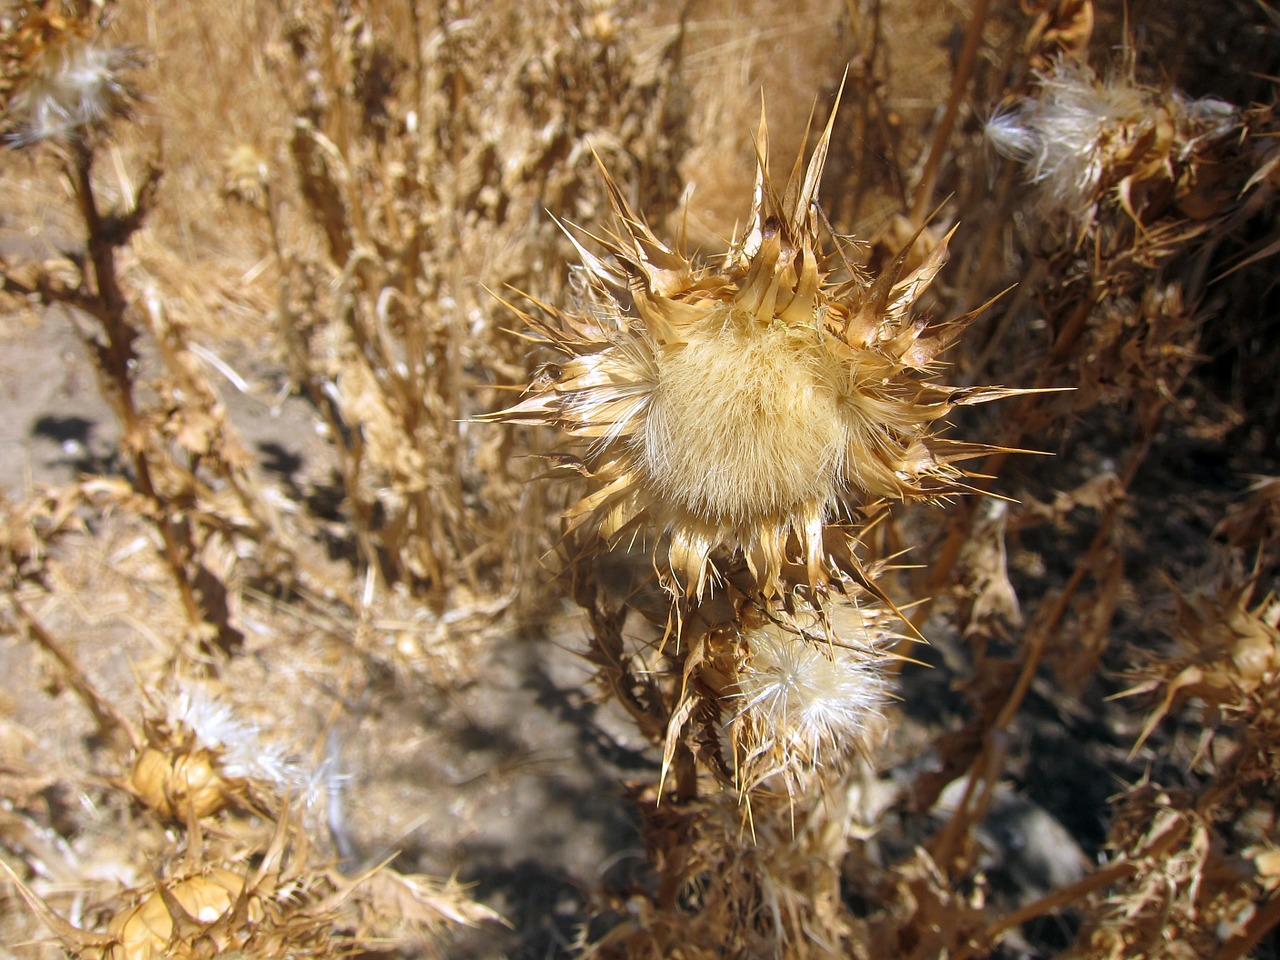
[806, 701]
[1079, 134]
[72, 87]
[241, 754]
[1062, 135]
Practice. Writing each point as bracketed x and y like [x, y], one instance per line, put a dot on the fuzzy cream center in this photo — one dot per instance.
[743, 424]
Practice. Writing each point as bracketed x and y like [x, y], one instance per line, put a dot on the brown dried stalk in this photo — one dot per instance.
[938, 146]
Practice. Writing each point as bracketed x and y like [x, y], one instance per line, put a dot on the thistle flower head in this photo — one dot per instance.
[740, 406]
[60, 82]
[1079, 136]
[808, 695]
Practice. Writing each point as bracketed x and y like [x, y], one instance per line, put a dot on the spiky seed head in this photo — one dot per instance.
[200, 758]
[286, 906]
[146, 930]
[742, 405]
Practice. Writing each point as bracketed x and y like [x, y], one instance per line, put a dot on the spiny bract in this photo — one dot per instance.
[740, 406]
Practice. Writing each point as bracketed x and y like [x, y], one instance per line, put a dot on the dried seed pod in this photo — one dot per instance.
[288, 906]
[183, 778]
[146, 930]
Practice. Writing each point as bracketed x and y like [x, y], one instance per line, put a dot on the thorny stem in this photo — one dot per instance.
[942, 135]
[117, 358]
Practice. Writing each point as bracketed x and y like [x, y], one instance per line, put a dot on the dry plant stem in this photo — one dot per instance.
[980, 266]
[946, 853]
[958, 535]
[117, 360]
[867, 43]
[923, 202]
[948, 850]
[296, 353]
[1063, 896]
[1035, 276]
[110, 721]
[172, 343]
[1070, 333]
[1158, 849]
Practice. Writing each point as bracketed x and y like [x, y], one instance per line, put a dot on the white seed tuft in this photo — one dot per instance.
[805, 701]
[72, 88]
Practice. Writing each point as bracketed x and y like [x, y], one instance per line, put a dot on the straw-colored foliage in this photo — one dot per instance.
[498, 510]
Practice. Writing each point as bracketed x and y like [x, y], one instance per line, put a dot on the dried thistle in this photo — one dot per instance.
[745, 405]
[286, 904]
[1182, 897]
[1226, 656]
[770, 887]
[1061, 29]
[1083, 139]
[200, 759]
[808, 695]
[211, 906]
[60, 82]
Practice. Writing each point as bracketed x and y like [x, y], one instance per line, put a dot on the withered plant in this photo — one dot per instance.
[741, 423]
[187, 466]
[428, 171]
[242, 680]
